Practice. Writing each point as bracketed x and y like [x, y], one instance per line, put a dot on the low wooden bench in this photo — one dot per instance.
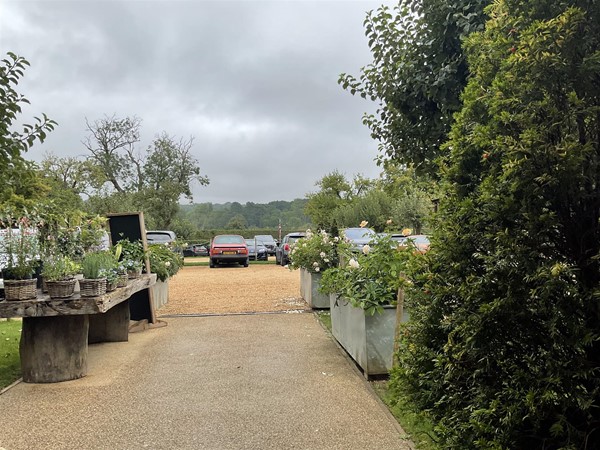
[56, 332]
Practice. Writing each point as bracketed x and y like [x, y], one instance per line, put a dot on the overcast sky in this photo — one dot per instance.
[254, 82]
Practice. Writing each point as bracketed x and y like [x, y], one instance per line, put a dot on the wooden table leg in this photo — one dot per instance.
[54, 348]
[112, 326]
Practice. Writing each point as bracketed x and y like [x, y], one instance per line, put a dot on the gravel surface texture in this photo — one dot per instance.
[233, 289]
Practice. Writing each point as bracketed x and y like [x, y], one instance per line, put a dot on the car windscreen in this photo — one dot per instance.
[156, 237]
[265, 239]
[229, 240]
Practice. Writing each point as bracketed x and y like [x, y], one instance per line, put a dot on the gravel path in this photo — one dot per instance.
[233, 289]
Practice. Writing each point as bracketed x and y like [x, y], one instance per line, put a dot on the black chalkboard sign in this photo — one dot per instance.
[131, 226]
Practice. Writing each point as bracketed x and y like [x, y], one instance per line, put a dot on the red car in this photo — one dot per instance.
[228, 248]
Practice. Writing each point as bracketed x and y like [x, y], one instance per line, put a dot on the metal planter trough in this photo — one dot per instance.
[309, 290]
[369, 340]
[160, 293]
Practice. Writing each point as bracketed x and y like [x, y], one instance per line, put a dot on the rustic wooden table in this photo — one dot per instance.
[56, 332]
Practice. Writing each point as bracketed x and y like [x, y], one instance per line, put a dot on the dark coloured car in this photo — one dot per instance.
[228, 248]
[257, 251]
[268, 241]
[196, 250]
[282, 253]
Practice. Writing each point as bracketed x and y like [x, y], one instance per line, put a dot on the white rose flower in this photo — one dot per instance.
[366, 249]
[315, 264]
[168, 264]
[353, 263]
[317, 269]
[322, 254]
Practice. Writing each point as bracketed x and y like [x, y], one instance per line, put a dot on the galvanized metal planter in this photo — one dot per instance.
[369, 340]
[160, 293]
[309, 290]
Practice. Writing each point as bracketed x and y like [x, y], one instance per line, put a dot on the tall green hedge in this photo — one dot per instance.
[504, 344]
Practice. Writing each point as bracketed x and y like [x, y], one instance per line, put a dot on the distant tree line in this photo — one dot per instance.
[202, 219]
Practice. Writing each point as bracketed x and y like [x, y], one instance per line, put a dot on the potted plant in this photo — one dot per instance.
[19, 243]
[58, 273]
[94, 281]
[165, 263]
[364, 293]
[132, 256]
[313, 254]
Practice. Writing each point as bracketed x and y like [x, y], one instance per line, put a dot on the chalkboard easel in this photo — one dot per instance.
[131, 226]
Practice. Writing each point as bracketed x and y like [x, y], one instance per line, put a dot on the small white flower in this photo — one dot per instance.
[315, 264]
[317, 269]
[168, 264]
[336, 239]
[366, 249]
[353, 263]
[326, 260]
[322, 254]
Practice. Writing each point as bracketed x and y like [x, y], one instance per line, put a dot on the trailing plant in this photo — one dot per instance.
[316, 252]
[164, 262]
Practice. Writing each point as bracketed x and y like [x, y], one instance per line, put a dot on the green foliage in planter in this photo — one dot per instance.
[316, 252]
[132, 250]
[59, 268]
[163, 261]
[503, 346]
[93, 264]
[370, 279]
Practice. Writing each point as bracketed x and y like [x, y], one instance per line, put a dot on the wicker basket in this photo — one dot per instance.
[112, 285]
[122, 280]
[61, 288]
[92, 287]
[20, 289]
[134, 273]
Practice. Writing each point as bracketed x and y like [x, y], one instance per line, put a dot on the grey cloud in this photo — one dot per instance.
[254, 82]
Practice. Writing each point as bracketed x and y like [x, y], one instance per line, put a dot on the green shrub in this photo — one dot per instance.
[503, 346]
[316, 252]
[163, 261]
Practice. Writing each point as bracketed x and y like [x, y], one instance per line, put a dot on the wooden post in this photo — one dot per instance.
[399, 317]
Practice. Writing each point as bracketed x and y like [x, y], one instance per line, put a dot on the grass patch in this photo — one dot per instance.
[416, 424]
[10, 362]
[325, 318]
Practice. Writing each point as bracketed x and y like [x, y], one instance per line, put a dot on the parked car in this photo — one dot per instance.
[165, 237]
[268, 241]
[419, 241]
[282, 253]
[257, 251]
[196, 250]
[228, 248]
[359, 237]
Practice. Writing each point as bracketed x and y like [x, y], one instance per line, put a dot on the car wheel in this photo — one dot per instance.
[246, 263]
[211, 264]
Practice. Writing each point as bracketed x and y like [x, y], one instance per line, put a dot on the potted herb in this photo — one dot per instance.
[19, 245]
[314, 254]
[58, 273]
[94, 281]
